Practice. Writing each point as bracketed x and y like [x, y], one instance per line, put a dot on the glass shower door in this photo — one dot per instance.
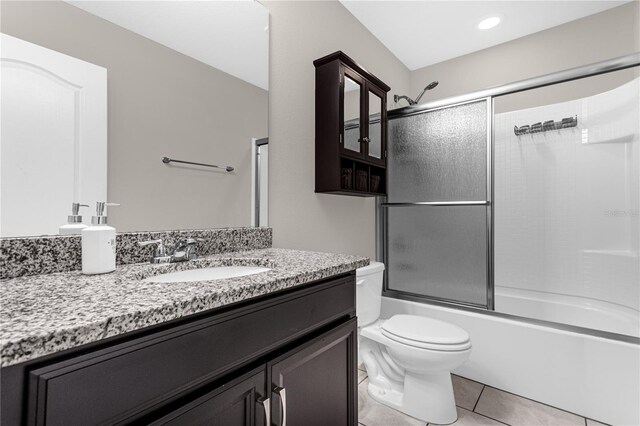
[438, 212]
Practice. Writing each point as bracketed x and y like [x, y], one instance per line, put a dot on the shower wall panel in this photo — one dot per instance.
[567, 203]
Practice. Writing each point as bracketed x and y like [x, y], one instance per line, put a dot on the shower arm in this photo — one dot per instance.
[397, 98]
[429, 86]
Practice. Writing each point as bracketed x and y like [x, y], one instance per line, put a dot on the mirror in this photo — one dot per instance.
[375, 129]
[184, 80]
[352, 93]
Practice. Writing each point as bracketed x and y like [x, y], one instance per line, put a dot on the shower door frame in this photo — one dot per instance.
[382, 208]
[584, 71]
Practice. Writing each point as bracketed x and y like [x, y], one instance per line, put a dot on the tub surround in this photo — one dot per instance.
[44, 314]
[50, 254]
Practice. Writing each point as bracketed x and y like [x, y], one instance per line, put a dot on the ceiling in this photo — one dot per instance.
[422, 33]
[232, 36]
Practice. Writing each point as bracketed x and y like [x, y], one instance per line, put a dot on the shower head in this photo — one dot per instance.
[430, 86]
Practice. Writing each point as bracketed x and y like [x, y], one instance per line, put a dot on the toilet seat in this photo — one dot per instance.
[426, 333]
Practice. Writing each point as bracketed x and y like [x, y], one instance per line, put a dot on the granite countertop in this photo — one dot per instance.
[44, 314]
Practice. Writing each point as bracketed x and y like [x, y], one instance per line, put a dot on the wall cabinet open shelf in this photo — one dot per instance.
[351, 128]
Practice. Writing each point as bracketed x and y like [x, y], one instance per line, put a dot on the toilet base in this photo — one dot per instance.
[428, 398]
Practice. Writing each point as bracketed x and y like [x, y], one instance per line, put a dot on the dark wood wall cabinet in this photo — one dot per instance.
[351, 128]
[285, 359]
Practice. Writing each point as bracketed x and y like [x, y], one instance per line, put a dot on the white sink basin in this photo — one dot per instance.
[206, 274]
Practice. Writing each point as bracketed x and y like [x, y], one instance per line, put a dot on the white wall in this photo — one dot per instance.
[300, 33]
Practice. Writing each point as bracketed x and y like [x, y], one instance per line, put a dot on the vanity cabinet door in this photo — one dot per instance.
[316, 383]
[241, 402]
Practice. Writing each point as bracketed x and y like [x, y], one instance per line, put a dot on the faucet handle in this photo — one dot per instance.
[186, 249]
[159, 250]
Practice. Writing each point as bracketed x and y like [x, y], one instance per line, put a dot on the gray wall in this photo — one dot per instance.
[299, 33]
[161, 103]
[614, 32]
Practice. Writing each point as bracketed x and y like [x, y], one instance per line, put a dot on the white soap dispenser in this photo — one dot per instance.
[74, 224]
[99, 243]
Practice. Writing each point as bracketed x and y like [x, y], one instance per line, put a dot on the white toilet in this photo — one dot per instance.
[408, 358]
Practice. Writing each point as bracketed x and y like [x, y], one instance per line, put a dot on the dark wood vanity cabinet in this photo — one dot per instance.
[351, 128]
[287, 356]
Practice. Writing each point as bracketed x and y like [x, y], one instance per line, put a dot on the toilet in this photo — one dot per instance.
[408, 358]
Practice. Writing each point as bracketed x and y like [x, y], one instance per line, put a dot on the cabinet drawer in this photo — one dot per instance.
[119, 383]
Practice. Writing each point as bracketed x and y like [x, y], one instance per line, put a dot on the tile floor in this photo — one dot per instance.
[477, 404]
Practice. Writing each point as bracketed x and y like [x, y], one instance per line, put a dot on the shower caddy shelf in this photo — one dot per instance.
[549, 125]
[350, 154]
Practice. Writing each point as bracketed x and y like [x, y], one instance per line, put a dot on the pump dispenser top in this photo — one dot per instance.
[74, 225]
[75, 217]
[101, 218]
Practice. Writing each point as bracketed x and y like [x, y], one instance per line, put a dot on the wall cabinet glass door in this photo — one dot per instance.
[376, 137]
[352, 95]
[364, 119]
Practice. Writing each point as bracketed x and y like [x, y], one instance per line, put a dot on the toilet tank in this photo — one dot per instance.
[369, 293]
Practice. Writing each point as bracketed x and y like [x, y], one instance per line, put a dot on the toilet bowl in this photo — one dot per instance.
[408, 358]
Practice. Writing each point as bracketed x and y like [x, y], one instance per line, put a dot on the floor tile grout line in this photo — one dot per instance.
[478, 400]
[486, 417]
[537, 402]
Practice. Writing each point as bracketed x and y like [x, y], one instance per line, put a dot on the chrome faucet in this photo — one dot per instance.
[185, 250]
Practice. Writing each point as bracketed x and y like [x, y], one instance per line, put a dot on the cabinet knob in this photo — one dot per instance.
[365, 139]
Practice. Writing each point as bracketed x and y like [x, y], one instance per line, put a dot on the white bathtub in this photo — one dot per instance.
[591, 376]
[571, 310]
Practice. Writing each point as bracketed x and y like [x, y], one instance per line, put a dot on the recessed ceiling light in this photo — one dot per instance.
[487, 23]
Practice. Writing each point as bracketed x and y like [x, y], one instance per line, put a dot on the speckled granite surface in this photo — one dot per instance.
[43, 314]
[49, 254]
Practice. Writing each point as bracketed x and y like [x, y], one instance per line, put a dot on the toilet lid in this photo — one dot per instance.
[426, 333]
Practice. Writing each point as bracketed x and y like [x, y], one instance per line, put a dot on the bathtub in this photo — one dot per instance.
[594, 377]
[571, 310]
